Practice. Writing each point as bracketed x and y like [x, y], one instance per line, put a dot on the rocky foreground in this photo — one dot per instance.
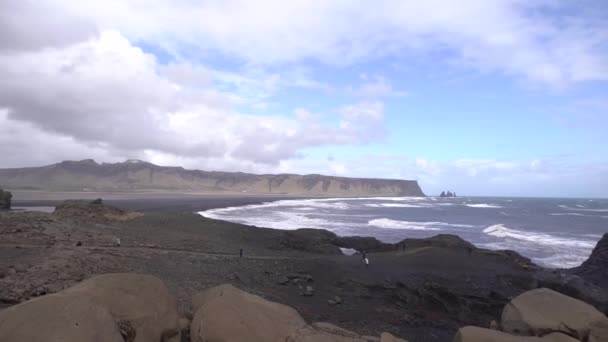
[419, 290]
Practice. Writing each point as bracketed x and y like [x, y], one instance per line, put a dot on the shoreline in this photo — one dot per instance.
[199, 203]
[424, 292]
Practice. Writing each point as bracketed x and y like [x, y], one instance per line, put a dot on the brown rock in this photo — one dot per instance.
[542, 311]
[59, 317]
[388, 337]
[475, 334]
[598, 332]
[225, 313]
[143, 300]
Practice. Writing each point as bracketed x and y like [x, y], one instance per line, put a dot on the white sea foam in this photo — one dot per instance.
[394, 224]
[483, 205]
[565, 207]
[393, 205]
[411, 225]
[562, 260]
[568, 214]
[348, 251]
[501, 231]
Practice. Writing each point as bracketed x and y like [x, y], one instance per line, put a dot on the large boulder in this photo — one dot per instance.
[5, 199]
[102, 308]
[225, 313]
[594, 268]
[475, 334]
[142, 300]
[574, 286]
[543, 311]
[58, 317]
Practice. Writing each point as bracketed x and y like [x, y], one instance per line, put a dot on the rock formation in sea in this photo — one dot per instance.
[5, 199]
[88, 175]
[447, 194]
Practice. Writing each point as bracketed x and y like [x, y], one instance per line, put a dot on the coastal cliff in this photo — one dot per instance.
[135, 175]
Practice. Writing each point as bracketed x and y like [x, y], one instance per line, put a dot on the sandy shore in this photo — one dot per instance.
[424, 292]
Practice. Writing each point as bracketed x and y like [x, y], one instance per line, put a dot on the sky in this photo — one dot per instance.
[481, 97]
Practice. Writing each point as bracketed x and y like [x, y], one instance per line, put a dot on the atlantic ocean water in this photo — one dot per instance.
[552, 232]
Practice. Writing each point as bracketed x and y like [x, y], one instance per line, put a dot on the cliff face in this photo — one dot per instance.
[594, 268]
[138, 175]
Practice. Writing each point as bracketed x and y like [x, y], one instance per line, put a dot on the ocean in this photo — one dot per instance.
[552, 232]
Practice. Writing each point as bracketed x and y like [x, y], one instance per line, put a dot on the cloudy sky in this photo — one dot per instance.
[501, 97]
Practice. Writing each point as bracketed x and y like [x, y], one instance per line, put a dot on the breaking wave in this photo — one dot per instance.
[501, 231]
[410, 225]
[483, 205]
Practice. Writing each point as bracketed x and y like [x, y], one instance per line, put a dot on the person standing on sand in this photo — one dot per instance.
[366, 262]
[117, 242]
[240, 253]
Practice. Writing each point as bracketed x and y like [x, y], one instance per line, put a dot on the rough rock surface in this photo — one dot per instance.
[58, 317]
[92, 211]
[5, 199]
[475, 334]
[311, 240]
[142, 300]
[102, 308]
[542, 311]
[575, 287]
[225, 313]
[364, 243]
[440, 240]
[594, 268]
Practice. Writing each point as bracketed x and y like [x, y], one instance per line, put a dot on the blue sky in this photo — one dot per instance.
[502, 97]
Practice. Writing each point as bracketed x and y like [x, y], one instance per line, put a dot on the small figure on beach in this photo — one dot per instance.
[117, 242]
[240, 253]
[366, 262]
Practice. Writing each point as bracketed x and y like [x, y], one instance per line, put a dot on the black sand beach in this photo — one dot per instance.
[424, 291]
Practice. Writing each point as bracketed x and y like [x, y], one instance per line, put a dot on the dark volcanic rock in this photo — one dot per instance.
[310, 240]
[92, 211]
[364, 243]
[5, 199]
[595, 268]
[441, 240]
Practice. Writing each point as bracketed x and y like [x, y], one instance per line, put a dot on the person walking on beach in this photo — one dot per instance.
[366, 260]
[117, 242]
[240, 253]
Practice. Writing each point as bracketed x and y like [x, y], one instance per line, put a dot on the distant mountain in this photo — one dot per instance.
[136, 175]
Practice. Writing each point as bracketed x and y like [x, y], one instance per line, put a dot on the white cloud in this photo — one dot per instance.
[108, 93]
[549, 42]
[376, 87]
[363, 112]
